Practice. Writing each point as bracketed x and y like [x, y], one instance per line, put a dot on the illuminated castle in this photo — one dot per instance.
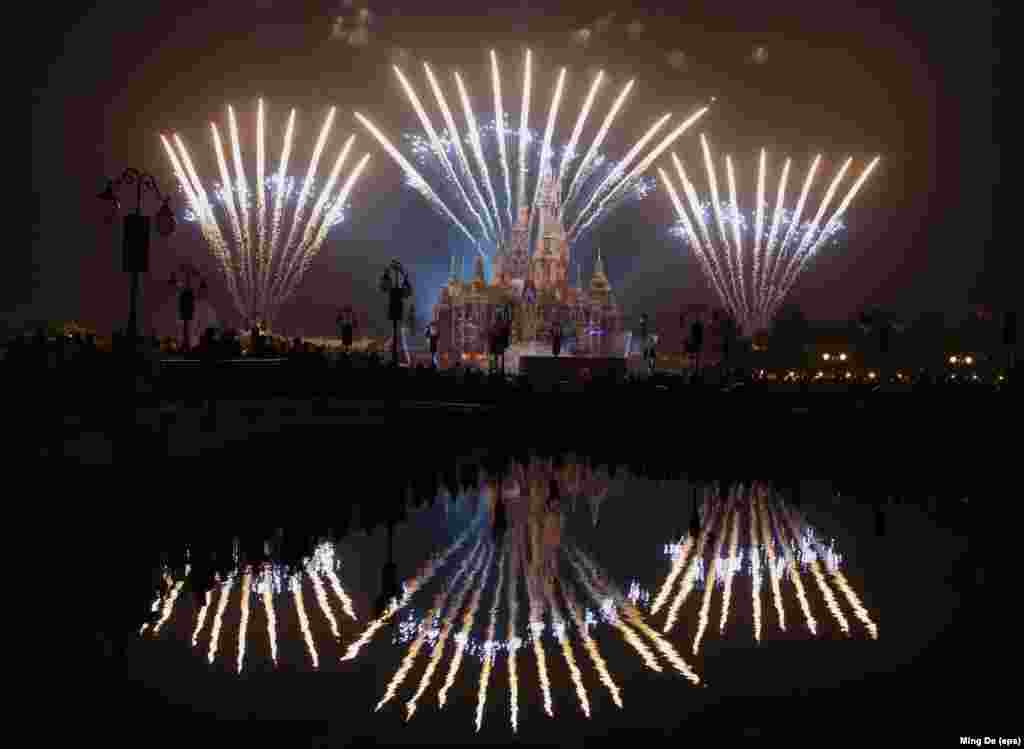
[534, 285]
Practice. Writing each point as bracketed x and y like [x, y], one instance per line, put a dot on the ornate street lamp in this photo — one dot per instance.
[135, 249]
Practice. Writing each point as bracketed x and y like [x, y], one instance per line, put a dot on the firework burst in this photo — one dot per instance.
[264, 236]
[753, 259]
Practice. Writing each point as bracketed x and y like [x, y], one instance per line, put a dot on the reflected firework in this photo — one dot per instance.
[753, 533]
[265, 237]
[488, 179]
[753, 260]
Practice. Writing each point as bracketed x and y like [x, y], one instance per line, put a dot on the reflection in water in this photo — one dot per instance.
[780, 544]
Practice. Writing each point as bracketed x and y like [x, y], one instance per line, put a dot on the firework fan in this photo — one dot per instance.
[493, 174]
[750, 533]
[265, 237]
[754, 260]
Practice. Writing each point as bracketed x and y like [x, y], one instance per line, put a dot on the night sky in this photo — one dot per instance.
[837, 79]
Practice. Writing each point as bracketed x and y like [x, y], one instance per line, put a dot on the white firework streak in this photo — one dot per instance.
[709, 247]
[230, 197]
[773, 232]
[709, 577]
[261, 199]
[410, 589]
[795, 222]
[524, 122]
[794, 573]
[737, 239]
[690, 576]
[569, 154]
[453, 134]
[416, 181]
[462, 638]
[485, 673]
[241, 184]
[589, 643]
[619, 170]
[317, 215]
[833, 221]
[201, 619]
[500, 123]
[758, 230]
[172, 597]
[635, 618]
[287, 262]
[755, 561]
[243, 626]
[819, 578]
[282, 171]
[218, 617]
[438, 148]
[598, 140]
[300, 609]
[670, 579]
[734, 541]
[446, 629]
[645, 164]
[478, 150]
[773, 571]
[717, 206]
[549, 131]
[627, 633]
[536, 625]
[346, 602]
[425, 628]
[268, 607]
[325, 605]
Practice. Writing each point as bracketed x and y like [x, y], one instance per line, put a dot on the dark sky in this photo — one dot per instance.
[627, 544]
[838, 79]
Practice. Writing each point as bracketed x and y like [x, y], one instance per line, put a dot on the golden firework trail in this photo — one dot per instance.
[446, 629]
[730, 572]
[690, 577]
[598, 140]
[410, 589]
[201, 618]
[712, 571]
[589, 644]
[737, 239]
[346, 602]
[478, 149]
[218, 617]
[262, 256]
[769, 545]
[485, 673]
[242, 187]
[168, 607]
[325, 605]
[569, 154]
[499, 115]
[453, 134]
[462, 638]
[438, 147]
[607, 604]
[695, 242]
[794, 572]
[524, 132]
[300, 609]
[514, 643]
[643, 166]
[758, 220]
[425, 629]
[416, 181]
[619, 170]
[537, 630]
[716, 204]
[634, 617]
[719, 275]
[797, 215]
[549, 131]
[774, 231]
[558, 623]
[243, 626]
[230, 198]
[819, 578]
[840, 212]
[281, 180]
[268, 608]
[678, 563]
[755, 561]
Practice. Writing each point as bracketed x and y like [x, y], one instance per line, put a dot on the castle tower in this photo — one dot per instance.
[551, 255]
[516, 257]
[600, 288]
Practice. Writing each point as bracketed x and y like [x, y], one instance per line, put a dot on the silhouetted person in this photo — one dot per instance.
[556, 339]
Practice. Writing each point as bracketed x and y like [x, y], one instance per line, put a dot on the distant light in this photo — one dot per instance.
[952, 360]
[826, 357]
[821, 374]
[871, 375]
[969, 360]
[848, 375]
[842, 357]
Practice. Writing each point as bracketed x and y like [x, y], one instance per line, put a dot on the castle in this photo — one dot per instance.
[533, 284]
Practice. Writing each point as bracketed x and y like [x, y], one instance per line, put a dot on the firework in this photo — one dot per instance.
[587, 190]
[753, 274]
[244, 225]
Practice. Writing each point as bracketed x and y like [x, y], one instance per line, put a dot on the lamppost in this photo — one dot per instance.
[135, 252]
[187, 296]
[395, 283]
